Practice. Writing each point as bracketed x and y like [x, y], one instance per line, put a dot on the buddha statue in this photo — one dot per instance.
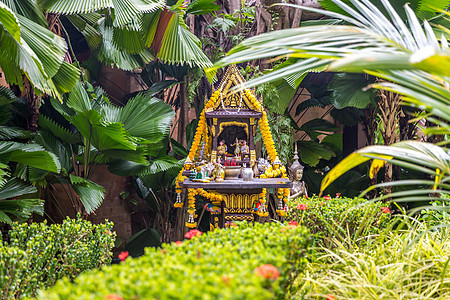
[298, 188]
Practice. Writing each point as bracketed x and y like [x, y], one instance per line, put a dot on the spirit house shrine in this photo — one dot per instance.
[222, 173]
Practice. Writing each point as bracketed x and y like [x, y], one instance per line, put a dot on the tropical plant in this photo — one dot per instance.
[128, 36]
[406, 263]
[28, 48]
[336, 220]
[104, 134]
[412, 60]
[18, 197]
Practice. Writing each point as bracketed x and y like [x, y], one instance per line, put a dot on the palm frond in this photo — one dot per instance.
[91, 194]
[57, 130]
[147, 117]
[180, 46]
[9, 21]
[15, 187]
[10, 133]
[419, 156]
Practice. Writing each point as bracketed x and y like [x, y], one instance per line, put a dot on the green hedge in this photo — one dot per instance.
[339, 218]
[40, 254]
[222, 264]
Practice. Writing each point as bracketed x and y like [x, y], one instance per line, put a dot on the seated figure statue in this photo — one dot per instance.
[298, 188]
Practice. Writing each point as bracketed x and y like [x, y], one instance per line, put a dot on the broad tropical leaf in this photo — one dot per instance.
[21, 208]
[316, 127]
[312, 152]
[29, 154]
[36, 51]
[180, 46]
[349, 90]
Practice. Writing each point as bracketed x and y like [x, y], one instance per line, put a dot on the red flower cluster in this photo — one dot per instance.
[327, 197]
[386, 210]
[178, 243]
[193, 232]
[329, 297]
[293, 223]
[302, 207]
[338, 195]
[123, 255]
[267, 271]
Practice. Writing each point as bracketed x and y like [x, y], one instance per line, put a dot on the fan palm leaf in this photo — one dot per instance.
[124, 10]
[91, 194]
[33, 49]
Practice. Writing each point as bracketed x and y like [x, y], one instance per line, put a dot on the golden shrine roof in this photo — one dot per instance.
[234, 101]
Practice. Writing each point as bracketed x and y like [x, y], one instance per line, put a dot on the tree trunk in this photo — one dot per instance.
[183, 120]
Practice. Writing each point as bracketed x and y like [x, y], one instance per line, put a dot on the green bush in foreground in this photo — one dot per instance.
[40, 254]
[250, 261]
[330, 219]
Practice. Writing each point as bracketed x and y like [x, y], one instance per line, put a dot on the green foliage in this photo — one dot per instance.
[40, 254]
[216, 265]
[29, 48]
[397, 264]
[348, 89]
[438, 215]
[338, 218]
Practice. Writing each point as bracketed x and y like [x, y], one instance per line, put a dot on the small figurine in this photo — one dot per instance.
[237, 150]
[277, 167]
[219, 172]
[222, 149]
[296, 173]
[263, 165]
[187, 167]
[245, 149]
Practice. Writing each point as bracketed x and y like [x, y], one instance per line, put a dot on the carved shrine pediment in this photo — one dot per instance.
[230, 99]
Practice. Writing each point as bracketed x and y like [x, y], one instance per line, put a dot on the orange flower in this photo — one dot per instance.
[294, 223]
[327, 197]
[329, 297]
[123, 255]
[267, 271]
[226, 279]
[386, 210]
[192, 233]
[113, 297]
[338, 195]
[178, 243]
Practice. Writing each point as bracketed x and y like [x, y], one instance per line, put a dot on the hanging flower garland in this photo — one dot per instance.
[212, 196]
[262, 211]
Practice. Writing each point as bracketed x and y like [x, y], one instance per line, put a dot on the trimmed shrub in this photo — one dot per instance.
[338, 218]
[249, 261]
[38, 254]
